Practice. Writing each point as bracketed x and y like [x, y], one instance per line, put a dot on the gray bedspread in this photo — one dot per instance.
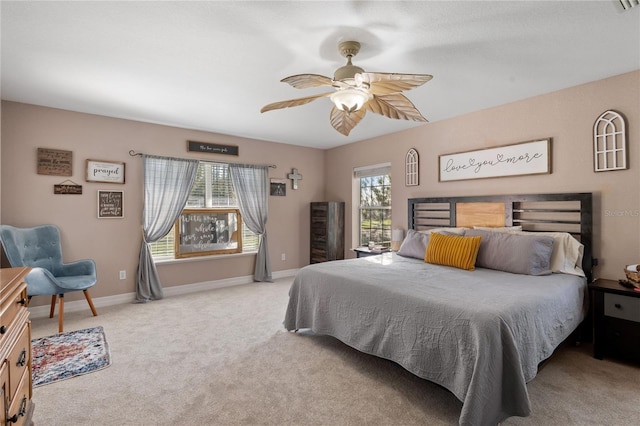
[481, 334]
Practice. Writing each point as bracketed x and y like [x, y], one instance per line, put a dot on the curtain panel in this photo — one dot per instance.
[166, 186]
[251, 184]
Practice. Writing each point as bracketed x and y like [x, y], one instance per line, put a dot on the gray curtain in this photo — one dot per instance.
[167, 183]
[251, 184]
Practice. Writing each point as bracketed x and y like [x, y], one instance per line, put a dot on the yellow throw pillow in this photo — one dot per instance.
[453, 250]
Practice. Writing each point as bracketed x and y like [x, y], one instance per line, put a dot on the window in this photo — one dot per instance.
[375, 204]
[212, 188]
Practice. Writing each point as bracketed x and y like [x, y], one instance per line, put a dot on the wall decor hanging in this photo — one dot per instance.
[110, 204]
[295, 177]
[67, 188]
[411, 168]
[609, 142]
[524, 158]
[211, 148]
[105, 171]
[278, 187]
[55, 162]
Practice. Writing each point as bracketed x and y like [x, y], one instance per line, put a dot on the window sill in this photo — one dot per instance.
[171, 260]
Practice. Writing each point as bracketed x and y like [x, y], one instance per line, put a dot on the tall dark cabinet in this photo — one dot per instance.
[327, 231]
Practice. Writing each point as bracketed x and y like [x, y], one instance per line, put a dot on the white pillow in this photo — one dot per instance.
[457, 231]
[567, 252]
[510, 229]
[414, 245]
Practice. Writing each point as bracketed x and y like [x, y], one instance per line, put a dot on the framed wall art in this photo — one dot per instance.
[105, 171]
[278, 187]
[525, 158]
[110, 204]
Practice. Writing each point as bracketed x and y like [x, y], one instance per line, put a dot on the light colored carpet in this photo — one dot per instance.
[222, 357]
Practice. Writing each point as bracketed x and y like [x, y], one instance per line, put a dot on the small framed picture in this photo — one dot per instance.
[105, 171]
[278, 187]
[110, 204]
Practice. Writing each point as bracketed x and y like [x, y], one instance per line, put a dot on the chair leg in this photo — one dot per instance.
[53, 306]
[88, 297]
[61, 313]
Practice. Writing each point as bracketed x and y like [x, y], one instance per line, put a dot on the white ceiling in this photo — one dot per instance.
[212, 65]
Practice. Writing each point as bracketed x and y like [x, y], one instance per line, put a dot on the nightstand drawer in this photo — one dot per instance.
[623, 307]
[622, 338]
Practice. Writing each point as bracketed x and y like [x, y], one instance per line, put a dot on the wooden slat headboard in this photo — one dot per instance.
[567, 212]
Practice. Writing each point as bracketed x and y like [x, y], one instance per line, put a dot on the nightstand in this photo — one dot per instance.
[365, 251]
[616, 320]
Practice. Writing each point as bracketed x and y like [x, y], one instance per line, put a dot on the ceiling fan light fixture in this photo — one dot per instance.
[350, 99]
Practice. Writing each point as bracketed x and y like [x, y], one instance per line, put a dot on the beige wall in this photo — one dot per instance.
[566, 116]
[28, 199]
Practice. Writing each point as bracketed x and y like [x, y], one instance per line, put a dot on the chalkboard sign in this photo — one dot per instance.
[111, 204]
[201, 232]
[212, 148]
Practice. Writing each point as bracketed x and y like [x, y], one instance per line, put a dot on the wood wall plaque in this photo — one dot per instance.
[55, 162]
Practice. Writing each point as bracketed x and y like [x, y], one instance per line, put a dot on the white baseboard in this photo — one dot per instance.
[118, 299]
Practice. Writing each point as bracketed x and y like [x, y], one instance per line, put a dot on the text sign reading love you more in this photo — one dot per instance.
[526, 158]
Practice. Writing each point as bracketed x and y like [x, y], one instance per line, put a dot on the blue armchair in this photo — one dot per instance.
[40, 249]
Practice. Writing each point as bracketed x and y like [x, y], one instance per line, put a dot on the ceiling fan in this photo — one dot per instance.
[357, 92]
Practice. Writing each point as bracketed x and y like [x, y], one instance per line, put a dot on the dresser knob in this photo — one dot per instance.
[22, 301]
[3, 329]
[618, 306]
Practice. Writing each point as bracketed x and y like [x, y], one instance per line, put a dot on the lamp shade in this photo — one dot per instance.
[350, 99]
[397, 235]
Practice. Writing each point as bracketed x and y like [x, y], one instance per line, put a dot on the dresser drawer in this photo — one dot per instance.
[20, 404]
[11, 306]
[18, 359]
[4, 390]
[623, 307]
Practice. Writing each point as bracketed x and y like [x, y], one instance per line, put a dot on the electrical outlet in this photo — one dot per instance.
[283, 257]
[123, 275]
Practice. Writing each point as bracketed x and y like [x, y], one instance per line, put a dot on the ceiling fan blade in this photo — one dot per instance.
[293, 102]
[388, 83]
[304, 81]
[345, 122]
[396, 106]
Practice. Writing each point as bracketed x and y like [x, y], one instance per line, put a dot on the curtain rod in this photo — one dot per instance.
[133, 153]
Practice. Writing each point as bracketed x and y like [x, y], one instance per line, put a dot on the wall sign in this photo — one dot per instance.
[201, 232]
[54, 162]
[110, 204]
[105, 171]
[67, 187]
[211, 148]
[525, 158]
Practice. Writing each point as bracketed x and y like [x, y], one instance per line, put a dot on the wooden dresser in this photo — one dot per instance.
[327, 231]
[15, 349]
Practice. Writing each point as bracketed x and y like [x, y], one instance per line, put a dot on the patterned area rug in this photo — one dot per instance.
[66, 355]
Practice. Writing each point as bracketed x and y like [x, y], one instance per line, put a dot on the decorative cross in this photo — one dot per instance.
[295, 177]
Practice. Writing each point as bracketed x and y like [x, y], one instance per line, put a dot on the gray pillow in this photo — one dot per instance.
[518, 254]
[414, 245]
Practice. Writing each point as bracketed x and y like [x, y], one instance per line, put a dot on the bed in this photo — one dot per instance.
[480, 333]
